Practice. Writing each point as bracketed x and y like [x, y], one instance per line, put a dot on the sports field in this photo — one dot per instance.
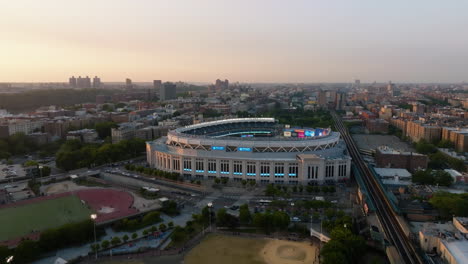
[216, 249]
[32, 217]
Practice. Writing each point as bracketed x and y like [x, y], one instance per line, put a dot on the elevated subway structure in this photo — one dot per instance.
[384, 208]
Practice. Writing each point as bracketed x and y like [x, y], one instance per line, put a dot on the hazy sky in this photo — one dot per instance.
[241, 40]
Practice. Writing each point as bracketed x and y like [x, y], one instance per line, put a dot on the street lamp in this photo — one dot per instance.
[93, 217]
[40, 170]
[210, 204]
[9, 259]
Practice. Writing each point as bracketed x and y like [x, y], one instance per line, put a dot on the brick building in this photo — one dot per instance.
[416, 131]
[386, 157]
[459, 137]
[377, 126]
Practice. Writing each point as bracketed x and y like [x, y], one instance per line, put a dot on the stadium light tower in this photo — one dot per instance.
[93, 217]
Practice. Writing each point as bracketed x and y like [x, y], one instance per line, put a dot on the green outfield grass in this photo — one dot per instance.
[21, 220]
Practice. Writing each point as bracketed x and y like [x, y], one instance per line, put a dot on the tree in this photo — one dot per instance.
[151, 218]
[252, 182]
[224, 180]
[424, 147]
[324, 189]
[134, 236]
[116, 240]
[309, 189]
[443, 178]
[244, 183]
[162, 227]
[301, 188]
[170, 208]
[95, 247]
[105, 244]
[244, 214]
[30, 163]
[5, 252]
[423, 177]
[125, 238]
[221, 217]
[217, 180]
[280, 220]
[45, 171]
[26, 251]
[104, 129]
[153, 229]
[145, 232]
[170, 224]
[449, 204]
[294, 188]
[445, 143]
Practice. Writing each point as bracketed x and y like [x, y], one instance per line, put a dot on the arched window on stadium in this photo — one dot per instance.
[293, 170]
[176, 164]
[187, 165]
[265, 169]
[237, 167]
[251, 167]
[329, 170]
[224, 166]
[279, 170]
[199, 165]
[211, 166]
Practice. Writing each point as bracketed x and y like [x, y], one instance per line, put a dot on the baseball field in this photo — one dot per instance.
[216, 249]
[27, 218]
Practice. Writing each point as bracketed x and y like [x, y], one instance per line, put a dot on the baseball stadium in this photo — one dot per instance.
[257, 149]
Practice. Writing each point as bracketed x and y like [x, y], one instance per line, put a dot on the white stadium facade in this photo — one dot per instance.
[257, 149]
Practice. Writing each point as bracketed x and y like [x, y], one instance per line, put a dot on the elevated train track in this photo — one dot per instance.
[384, 210]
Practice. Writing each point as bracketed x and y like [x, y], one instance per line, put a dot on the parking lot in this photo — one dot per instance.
[371, 142]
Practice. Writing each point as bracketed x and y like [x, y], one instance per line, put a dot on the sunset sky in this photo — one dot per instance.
[240, 40]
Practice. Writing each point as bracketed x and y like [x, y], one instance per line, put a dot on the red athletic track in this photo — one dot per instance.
[121, 201]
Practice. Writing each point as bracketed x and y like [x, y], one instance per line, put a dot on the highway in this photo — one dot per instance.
[384, 210]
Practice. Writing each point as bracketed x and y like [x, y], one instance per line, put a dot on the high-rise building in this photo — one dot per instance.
[79, 81]
[357, 83]
[390, 88]
[322, 98]
[340, 100]
[128, 83]
[168, 91]
[87, 82]
[83, 82]
[96, 82]
[221, 85]
[157, 84]
[72, 81]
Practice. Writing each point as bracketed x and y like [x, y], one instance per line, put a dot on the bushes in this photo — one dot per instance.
[53, 239]
[170, 208]
[155, 172]
[135, 224]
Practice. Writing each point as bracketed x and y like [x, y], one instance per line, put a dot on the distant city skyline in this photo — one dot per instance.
[260, 41]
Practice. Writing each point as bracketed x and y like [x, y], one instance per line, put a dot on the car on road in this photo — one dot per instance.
[295, 219]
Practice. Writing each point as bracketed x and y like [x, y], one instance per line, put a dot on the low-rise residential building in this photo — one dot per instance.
[391, 176]
[83, 135]
[448, 241]
[125, 131]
